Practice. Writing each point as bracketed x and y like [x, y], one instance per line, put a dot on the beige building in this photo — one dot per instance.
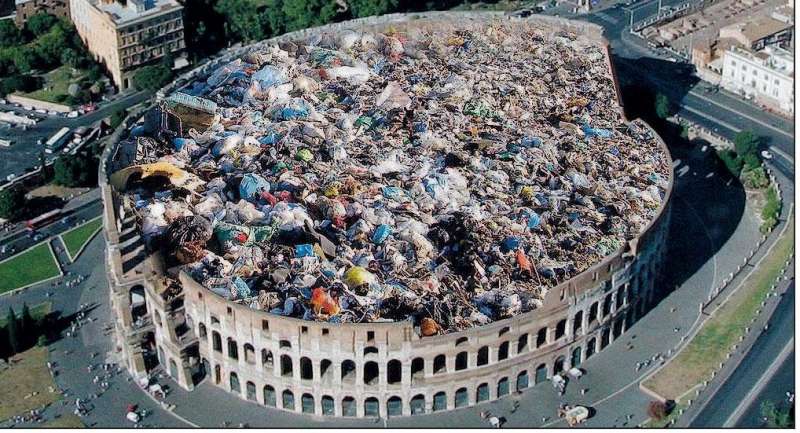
[766, 75]
[126, 36]
[757, 33]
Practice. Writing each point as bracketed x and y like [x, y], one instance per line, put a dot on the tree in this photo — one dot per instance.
[365, 8]
[24, 83]
[27, 326]
[10, 35]
[117, 117]
[12, 328]
[657, 410]
[777, 417]
[746, 143]
[41, 23]
[70, 57]
[152, 77]
[301, 14]
[12, 202]
[663, 108]
[75, 170]
[26, 58]
[241, 23]
[50, 46]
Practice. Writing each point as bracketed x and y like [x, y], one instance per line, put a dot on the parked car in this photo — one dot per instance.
[766, 154]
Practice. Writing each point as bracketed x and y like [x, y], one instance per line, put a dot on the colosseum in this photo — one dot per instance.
[314, 359]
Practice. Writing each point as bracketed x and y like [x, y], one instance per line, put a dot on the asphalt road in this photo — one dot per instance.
[23, 155]
[720, 411]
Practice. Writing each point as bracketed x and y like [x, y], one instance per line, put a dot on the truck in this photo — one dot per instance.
[56, 141]
[42, 219]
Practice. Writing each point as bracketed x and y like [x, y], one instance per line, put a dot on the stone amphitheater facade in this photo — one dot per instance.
[371, 369]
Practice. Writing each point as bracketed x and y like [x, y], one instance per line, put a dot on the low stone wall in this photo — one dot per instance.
[37, 104]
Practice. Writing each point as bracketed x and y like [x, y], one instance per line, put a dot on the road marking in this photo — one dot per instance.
[762, 382]
[782, 153]
[753, 119]
[712, 118]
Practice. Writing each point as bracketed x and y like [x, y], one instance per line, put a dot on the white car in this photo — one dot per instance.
[72, 114]
[766, 154]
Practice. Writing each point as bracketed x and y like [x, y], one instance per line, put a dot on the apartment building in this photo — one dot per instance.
[25, 9]
[766, 75]
[124, 36]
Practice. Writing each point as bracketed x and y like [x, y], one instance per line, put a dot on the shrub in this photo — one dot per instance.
[732, 162]
[657, 410]
[755, 177]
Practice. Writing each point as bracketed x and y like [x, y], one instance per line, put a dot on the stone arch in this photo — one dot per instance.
[461, 398]
[371, 350]
[371, 406]
[522, 343]
[371, 373]
[483, 356]
[250, 388]
[269, 396]
[217, 374]
[577, 322]
[417, 368]
[306, 369]
[502, 387]
[461, 340]
[482, 393]
[288, 400]
[349, 406]
[286, 366]
[502, 351]
[462, 361]
[576, 359]
[234, 382]
[328, 405]
[233, 349]
[216, 341]
[267, 360]
[558, 365]
[561, 329]
[591, 346]
[307, 403]
[348, 371]
[394, 372]
[249, 353]
[325, 370]
[439, 364]
[201, 330]
[417, 404]
[522, 380]
[439, 401]
[541, 337]
[394, 406]
[541, 373]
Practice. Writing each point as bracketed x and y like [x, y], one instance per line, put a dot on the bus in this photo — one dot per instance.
[43, 219]
[56, 141]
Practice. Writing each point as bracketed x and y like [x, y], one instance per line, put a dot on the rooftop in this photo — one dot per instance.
[133, 9]
[760, 27]
[448, 172]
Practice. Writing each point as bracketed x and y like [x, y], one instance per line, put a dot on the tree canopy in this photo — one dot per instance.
[746, 143]
[75, 170]
[40, 24]
[152, 77]
[12, 203]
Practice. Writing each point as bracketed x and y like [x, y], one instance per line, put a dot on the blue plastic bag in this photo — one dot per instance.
[511, 243]
[242, 290]
[269, 76]
[599, 132]
[381, 233]
[304, 250]
[252, 185]
[534, 220]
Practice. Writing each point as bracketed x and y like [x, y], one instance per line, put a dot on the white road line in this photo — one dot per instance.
[785, 155]
[762, 382]
[728, 108]
[712, 118]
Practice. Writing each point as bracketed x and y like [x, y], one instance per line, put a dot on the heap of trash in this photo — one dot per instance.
[444, 173]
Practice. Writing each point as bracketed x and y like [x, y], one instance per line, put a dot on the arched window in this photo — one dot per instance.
[541, 337]
[325, 370]
[267, 360]
[522, 343]
[285, 344]
[306, 369]
[462, 361]
[217, 374]
[269, 396]
[593, 312]
[461, 341]
[561, 328]
[394, 372]
[439, 364]
[307, 403]
[483, 355]
[541, 373]
[370, 373]
[417, 404]
[249, 353]
[394, 406]
[173, 369]
[348, 406]
[327, 405]
[371, 406]
[502, 351]
[201, 329]
[216, 341]
[417, 368]
[522, 380]
[251, 391]
[348, 371]
[590, 347]
[439, 401]
[288, 400]
[502, 387]
[577, 323]
[233, 349]
[286, 366]
[605, 338]
[235, 383]
[576, 357]
[482, 393]
[558, 366]
[462, 398]
[370, 350]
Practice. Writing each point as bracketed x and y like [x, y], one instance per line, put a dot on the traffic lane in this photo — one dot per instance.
[775, 391]
[749, 371]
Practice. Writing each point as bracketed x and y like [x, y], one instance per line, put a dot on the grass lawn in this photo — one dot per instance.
[26, 376]
[65, 421]
[709, 347]
[55, 84]
[34, 265]
[77, 237]
[37, 312]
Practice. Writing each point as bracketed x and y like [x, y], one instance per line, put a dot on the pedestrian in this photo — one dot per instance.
[583, 391]
[494, 422]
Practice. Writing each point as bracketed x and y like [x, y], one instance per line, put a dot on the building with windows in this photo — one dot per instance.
[759, 32]
[766, 75]
[28, 8]
[167, 321]
[125, 36]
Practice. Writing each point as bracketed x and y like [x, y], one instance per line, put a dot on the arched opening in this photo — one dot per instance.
[541, 337]
[370, 350]
[217, 374]
[394, 406]
[233, 349]
[288, 400]
[629, 318]
[461, 340]
[522, 380]
[327, 405]
[269, 396]
[216, 341]
[462, 398]
[618, 326]
[502, 387]
[250, 387]
[348, 371]
[173, 369]
[462, 361]
[439, 401]
[307, 403]
[541, 373]
[286, 366]
[417, 404]
[348, 406]
[325, 370]
[590, 347]
[138, 304]
[605, 338]
[371, 407]
[285, 344]
[522, 343]
[235, 387]
[249, 353]
[577, 323]
[439, 364]
[201, 329]
[620, 297]
[306, 369]
[370, 373]
[561, 328]
[417, 369]
[558, 366]
[267, 361]
[607, 305]
[576, 357]
[502, 351]
[593, 313]
[482, 393]
[483, 356]
[394, 372]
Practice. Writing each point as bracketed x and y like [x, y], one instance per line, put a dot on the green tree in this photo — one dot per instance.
[365, 8]
[663, 109]
[26, 59]
[23, 83]
[10, 35]
[12, 202]
[152, 77]
[243, 21]
[51, 45]
[40, 23]
[746, 143]
[42, 341]
[75, 170]
[301, 14]
[12, 328]
[777, 417]
[70, 57]
[27, 326]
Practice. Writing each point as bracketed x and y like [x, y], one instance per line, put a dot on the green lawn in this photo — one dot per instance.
[37, 312]
[34, 265]
[709, 347]
[55, 85]
[77, 237]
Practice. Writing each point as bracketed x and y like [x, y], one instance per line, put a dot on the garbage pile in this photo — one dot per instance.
[448, 174]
